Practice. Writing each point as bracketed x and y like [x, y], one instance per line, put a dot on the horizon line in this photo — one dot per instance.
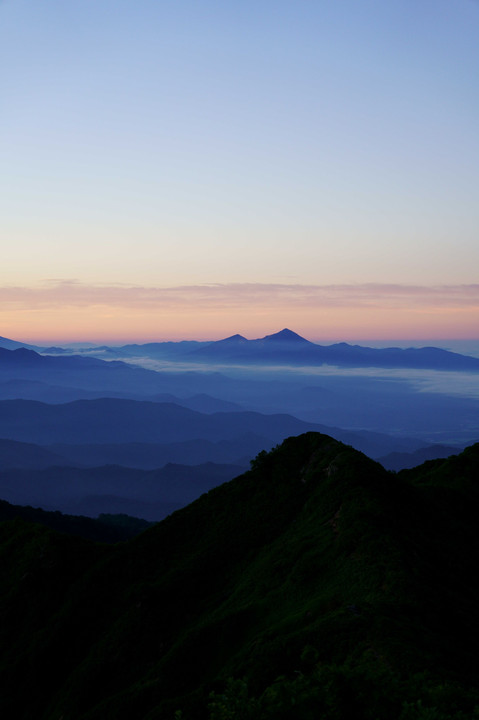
[90, 340]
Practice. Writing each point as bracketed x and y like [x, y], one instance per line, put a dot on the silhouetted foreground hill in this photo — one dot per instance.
[107, 528]
[323, 585]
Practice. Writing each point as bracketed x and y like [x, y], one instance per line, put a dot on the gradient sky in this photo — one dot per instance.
[178, 169]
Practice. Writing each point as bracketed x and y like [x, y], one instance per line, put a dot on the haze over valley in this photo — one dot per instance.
[207, 409]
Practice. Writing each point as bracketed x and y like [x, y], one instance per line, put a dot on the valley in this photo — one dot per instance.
[114, 432]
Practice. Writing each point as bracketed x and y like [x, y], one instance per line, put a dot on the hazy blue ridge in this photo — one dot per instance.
[284, 347]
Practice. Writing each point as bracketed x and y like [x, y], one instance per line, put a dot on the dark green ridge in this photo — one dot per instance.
[106, 528]
[323, 585]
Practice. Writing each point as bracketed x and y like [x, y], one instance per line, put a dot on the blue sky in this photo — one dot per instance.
[170, 144]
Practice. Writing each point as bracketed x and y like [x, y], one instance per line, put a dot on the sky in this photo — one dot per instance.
[181, 169]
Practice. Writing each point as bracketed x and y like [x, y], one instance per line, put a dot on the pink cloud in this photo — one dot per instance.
[77, 294]
[70, 310]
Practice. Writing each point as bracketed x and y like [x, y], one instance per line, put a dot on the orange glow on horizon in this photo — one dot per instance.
[346, 324]
[115, 315]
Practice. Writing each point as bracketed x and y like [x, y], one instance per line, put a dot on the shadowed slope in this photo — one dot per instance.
[318, 566]
[106, 528]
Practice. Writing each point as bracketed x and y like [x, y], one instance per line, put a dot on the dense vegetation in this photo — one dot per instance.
[315, 586]
[106, 528]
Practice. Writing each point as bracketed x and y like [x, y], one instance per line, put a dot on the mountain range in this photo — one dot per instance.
[316, 585]
[145, 459]
[437, 408]
[290, 348]
[83, 414]
[113, 489]
[111, 420]
[282, 348]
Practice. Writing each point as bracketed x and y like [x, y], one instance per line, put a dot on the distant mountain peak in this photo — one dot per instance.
[233, 340]
[8, 344]
[286, 335]
[20, 354]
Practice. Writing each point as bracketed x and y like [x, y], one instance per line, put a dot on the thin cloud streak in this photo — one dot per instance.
[69, 311]
[76, 294]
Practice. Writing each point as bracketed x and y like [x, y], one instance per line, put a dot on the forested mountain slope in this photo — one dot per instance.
[323, 585]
